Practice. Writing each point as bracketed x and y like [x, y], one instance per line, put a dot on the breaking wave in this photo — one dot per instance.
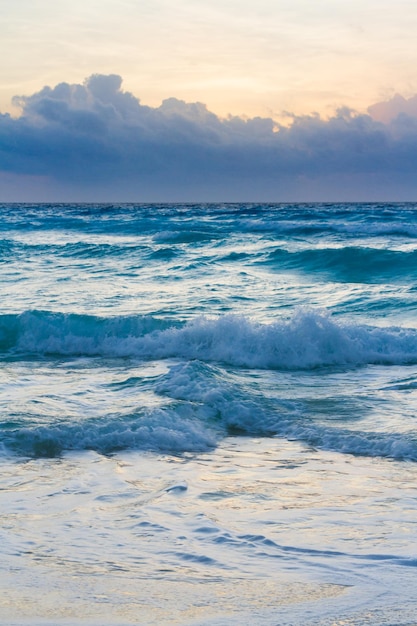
[200, 405]
[305, 341]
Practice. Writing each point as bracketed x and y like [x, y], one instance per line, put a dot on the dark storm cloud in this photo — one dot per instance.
[98, 137]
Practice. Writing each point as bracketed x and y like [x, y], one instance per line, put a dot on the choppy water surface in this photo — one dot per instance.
[217, 394]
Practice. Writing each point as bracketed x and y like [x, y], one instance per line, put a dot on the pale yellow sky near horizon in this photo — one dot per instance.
[237, 56]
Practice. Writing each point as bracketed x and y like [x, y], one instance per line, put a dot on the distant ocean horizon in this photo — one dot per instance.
[208, 413]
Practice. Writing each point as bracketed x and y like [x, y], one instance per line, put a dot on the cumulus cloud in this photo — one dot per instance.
[398, 105]
[97, 142]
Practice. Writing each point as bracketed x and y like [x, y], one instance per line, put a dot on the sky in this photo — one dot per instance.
[208, 100]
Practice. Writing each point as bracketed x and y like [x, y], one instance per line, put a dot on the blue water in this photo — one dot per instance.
[209, 393]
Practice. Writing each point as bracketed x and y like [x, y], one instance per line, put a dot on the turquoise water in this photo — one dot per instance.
[220, 394]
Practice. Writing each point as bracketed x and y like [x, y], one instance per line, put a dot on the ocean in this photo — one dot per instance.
[208, 414]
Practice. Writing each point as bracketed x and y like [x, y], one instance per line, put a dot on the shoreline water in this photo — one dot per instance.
[259, 530]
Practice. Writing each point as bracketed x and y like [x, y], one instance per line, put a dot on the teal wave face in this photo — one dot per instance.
[349, 264]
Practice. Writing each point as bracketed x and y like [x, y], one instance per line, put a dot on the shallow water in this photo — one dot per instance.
[259, 529]
[208, 414]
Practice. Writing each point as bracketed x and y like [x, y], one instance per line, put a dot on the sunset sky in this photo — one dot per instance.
[295, 62]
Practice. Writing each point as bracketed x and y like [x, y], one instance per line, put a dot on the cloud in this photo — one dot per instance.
[97, 142]
[398, 105]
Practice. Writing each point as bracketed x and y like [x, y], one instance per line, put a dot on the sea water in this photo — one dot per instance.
[208, 414]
